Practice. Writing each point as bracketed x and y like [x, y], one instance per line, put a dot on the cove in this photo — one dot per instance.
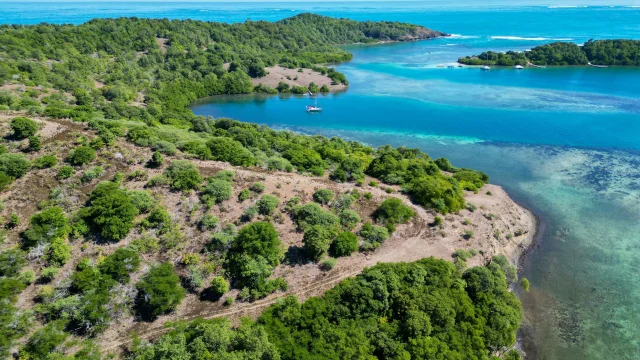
[561, 141]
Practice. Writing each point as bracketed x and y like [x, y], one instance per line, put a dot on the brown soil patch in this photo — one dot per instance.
[277, 74]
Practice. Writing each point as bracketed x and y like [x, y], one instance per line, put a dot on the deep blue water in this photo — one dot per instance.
[562, 141]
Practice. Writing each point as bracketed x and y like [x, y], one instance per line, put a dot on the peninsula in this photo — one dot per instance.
[135, 228]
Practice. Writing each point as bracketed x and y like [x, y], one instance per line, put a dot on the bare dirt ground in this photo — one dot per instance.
[495, 222]
[304, 78]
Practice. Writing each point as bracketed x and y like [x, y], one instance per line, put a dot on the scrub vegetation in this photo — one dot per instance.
[129, 221]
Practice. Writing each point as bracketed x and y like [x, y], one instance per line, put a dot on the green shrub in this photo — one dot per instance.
[441, 193]
[111, 211]
[317, 240]
[373, 236]
[328, 264]
[311, 214]
[525, 284]
[160, 219]
[250, 213]
[183, 175]
[14, 165]
[5, 181]
[219, 286]
[141, 200]
[462, 254]
[65, 172]
[231, 151]
[349, 219]
[44, 342]
[11, 261]
[45, 162]
[257, 188]
[13, 222]
[35, 143]
[23, 127]
[245, 194]
[393, 212]
[91, 174]
[216, 191]
[253, 254]
[279, 164]
[345, 244]
[208, 222]
[268, 204]
[468, 234]
[323, 196]
[228, 301]
[120, 264]
[81, 155]
[57, 253]
[49, 273]
[226, 175]
[159, 292]
[164, 147]
[156, 160]
[51, 223]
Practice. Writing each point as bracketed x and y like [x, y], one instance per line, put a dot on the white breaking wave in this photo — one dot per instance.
[528, 38]
[458, 36]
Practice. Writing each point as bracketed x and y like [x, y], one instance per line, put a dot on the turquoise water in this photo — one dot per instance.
[564, 141]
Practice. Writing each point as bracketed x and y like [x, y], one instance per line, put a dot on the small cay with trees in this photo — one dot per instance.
[134, 229]
[618, 52]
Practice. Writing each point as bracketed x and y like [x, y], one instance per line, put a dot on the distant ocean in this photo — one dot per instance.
[563, 141]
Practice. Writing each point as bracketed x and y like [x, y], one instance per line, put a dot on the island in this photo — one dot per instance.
[593, 52]
[133, 228]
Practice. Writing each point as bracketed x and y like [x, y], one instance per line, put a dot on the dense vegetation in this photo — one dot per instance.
[421, 310]
[597, 52]
[132, 79]
[168, 64]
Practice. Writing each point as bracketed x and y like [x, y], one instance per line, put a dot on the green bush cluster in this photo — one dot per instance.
[159, 292]
[183, 175]
[23, 127]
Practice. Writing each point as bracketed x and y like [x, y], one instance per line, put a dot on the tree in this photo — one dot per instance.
[51, 223]
[159, 292]
[231, 151]
[253, 254]
[120, 264]
[345, 244]
[111, 211]
[81, 155]
[57, 253]
[45, 340]
[317, 240]
[14, 165]
[183, 175]
[441, 193]
[23, 127]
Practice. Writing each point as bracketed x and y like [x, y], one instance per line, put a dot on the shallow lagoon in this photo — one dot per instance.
[562, 141]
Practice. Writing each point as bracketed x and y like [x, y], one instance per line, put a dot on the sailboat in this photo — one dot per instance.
[486, 65]
[313, 108]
